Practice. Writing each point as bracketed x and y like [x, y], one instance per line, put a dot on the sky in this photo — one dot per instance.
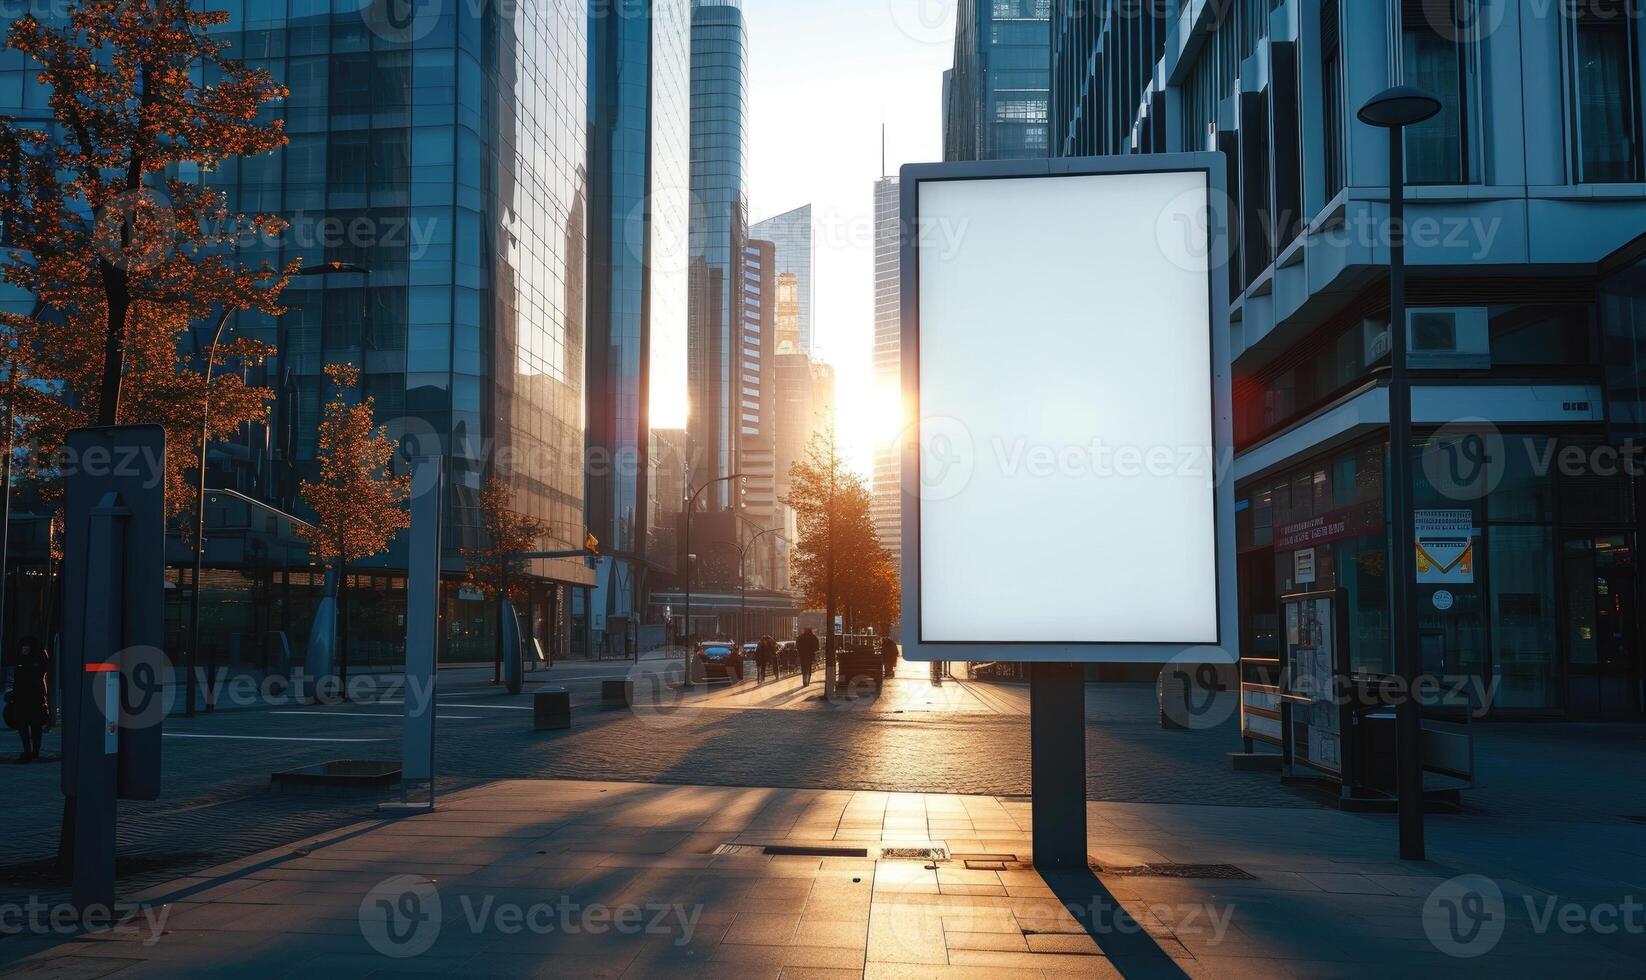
[824, 76]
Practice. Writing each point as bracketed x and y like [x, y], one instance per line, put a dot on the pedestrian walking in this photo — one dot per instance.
[765, 659]
[806, 647]
[28, 707]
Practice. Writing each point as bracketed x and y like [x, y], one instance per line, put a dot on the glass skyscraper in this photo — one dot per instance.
[888, 363]
[791, 232]
[639, 160]
[719, 226]
[445, 152]
[996, 97]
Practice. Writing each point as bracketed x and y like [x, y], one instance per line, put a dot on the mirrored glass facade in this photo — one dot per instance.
[639, 81]
[791, 233]
[719, 226]
[996, 99]
[443, 148]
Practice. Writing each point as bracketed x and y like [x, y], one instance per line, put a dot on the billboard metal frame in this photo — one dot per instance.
[1226, 648]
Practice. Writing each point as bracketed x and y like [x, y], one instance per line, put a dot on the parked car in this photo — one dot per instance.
[720, 657]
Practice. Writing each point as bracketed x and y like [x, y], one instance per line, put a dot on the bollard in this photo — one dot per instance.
[617, 694]
[551, 709]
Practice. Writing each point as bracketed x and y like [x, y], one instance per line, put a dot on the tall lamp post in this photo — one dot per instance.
[1394, 110]
[691, 505]
[190, 683]
[743, 582]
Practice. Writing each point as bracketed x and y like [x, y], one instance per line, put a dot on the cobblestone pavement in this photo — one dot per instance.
[218, 805]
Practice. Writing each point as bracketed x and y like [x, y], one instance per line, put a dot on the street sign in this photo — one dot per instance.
[1065, 342]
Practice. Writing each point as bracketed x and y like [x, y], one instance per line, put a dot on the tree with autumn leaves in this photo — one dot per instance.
[839, 564]
[359, 501]
[123, 251]
[497, 568]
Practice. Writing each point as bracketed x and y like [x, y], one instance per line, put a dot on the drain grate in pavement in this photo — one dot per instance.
[1219, 872]
[738, 849]
[817, 850]
[914, 854]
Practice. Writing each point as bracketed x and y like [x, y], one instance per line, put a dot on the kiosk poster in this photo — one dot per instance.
[1311, 670]
[1445, 547]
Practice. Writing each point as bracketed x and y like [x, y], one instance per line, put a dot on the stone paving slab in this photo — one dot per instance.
[605, 879]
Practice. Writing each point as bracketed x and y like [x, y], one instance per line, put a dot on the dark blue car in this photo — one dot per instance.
[718, 658]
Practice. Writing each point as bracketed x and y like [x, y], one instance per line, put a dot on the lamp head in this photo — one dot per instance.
[1398, 107]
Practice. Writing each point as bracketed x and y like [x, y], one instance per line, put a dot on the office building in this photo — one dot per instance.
[757, 382]
[887, 482]
[1525, 324]
[805, 407]
[791, 232]
[996, 95]
[718, 229]
[449, 159]
[639, 159]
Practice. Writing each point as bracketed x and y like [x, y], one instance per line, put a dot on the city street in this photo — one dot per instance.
[961, 737]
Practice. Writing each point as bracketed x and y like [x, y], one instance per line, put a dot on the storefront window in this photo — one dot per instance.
[1525, 492]
[1523, 617]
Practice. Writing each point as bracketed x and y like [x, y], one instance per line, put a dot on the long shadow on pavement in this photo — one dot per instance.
[1128, 944]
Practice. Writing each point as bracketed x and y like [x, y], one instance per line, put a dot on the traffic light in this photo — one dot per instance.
[591, 544]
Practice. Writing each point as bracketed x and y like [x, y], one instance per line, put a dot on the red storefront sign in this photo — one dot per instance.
[1334, 525]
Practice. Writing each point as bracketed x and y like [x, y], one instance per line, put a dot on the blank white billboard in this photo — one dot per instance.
[1067, 387]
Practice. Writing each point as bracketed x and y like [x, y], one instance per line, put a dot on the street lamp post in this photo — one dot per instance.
[691, 505]
[189, 681]
[1394, 110]
[743, 582]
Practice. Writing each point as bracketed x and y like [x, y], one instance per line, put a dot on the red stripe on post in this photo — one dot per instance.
[102, 668]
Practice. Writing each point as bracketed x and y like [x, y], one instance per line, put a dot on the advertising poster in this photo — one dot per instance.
[1445, 547]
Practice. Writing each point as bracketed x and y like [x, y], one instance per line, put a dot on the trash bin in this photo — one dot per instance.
[551, 709]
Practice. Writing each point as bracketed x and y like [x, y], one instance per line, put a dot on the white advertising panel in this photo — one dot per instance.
[1064, 341]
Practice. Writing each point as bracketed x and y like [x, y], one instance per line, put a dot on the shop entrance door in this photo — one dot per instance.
[1604, 672]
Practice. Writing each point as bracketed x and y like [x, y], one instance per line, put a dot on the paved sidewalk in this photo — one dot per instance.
[909, 692]
[566, 879]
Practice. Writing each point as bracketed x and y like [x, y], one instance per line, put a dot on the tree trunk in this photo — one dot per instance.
[118, 301]
[828, 625]
[497, 648]
[342, 627]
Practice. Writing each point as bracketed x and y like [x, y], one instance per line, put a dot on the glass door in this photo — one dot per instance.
[1603, 627]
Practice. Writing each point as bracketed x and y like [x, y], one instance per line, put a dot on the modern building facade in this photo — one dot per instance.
[718, 229]
[805, 407]
[791, 232]
[639, 172]
[887, 483]
[446, 155]
[757, 382]
[1525, 318]
[995, 100]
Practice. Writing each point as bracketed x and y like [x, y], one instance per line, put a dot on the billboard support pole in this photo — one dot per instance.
[1057, 764]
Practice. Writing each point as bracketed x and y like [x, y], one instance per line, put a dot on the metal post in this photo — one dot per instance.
[191, 656]
[686, 651]
[1057, 765]
[1408, 652]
